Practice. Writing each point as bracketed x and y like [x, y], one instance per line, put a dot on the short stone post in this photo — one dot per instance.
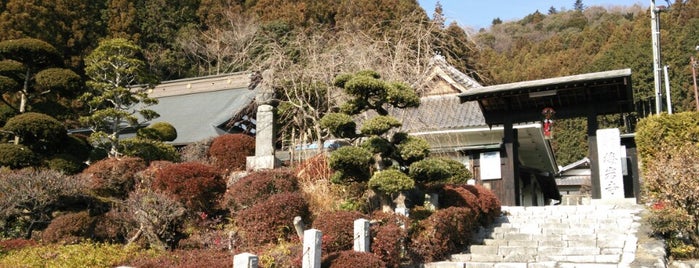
[245, 260]
[362, 239]
[312, 239]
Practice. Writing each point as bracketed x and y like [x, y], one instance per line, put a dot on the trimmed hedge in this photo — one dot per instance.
[71, 228]
[271, 219]
[229, 152]
[389, 237]
[443, 233]
[16, 156]
[198, 186]
[337, 228]
[114, 177]
[352, 259]
[257, 187]
[488, 203]
[452, 195]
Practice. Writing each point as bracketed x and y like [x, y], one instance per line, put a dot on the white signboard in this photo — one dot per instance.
[609, 158]
[490, 166]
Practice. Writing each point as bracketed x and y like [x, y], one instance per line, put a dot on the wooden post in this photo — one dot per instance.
[594, 161]
[510, 169]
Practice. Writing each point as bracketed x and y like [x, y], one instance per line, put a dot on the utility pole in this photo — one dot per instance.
[657, 70]
[693, 62]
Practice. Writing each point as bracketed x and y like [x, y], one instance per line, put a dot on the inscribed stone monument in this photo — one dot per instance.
[264, 135]
[610, 169]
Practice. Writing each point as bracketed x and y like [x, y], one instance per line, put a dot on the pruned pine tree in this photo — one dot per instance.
[118, 98]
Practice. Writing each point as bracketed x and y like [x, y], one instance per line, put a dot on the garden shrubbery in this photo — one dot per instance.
[258, 186]
[271, 219]
[352, 259]
[198, 186]
[337, 233]
[669, 149]
[114, 177]
[229, 152]
[444, 232]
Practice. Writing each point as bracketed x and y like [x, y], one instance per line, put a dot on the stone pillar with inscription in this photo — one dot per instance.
[611, 180]
[264, 131]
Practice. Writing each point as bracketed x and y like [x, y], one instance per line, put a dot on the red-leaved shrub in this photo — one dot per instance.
[229, 152]
[488, 203]
[183, 259]
[443, 233]
[113, 177]
[271, 219]
[70, 228]
[388, 242]
[352, 259]
[337, 228]
[453, 195]
[15, 244]
[258, 186]
[196, 185]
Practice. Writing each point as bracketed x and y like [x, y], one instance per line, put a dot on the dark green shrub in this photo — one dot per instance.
[16, 156]
[6, 112]
[71, 228]
[439, 170]
[339, 124]
[271, 219]
[198, 186]
[257, 187]
[77, 146]
[671, 130]
[379, 125]
[445, 232]
[391, 181]
[149, 150]
[61, 80]
[352, 259]
[337, 228]
[113, 177]
[65, 163]
[413, 149]
[37, 131]
[229, 152]
[351, 164]
[160, 131]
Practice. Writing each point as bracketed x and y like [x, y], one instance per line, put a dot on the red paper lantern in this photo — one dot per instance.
[548, 113]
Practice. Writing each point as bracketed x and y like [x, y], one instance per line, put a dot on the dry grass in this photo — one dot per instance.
[322, 195]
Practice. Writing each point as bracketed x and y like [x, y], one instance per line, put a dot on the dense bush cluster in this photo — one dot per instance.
[70, 228]
[229, 152]
[271, 219]
[338, 235]
[258, 186]
[183, 259]
[669, 151]
[113, 177]
[389, 237]
[444, 232]
[352, 259]
[198, 186]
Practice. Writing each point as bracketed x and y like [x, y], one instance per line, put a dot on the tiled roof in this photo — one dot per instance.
[198, 107]
[440, 113]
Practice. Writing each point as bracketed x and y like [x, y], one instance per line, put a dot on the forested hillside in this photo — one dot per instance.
[310, 42]
[591, 39]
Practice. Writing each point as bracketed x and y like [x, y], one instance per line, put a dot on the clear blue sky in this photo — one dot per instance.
[480, 13]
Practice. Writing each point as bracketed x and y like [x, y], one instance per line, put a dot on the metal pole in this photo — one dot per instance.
[657, 71]
[667, 90]
[693, 62]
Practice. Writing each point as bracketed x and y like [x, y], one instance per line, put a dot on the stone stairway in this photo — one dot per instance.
[596, 235]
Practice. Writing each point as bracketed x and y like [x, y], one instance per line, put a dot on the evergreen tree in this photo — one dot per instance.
[578, 5]
[119, 82]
